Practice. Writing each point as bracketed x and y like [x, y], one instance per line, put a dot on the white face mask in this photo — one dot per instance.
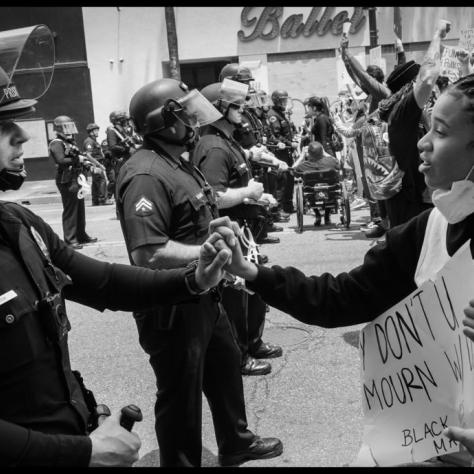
[457, 203]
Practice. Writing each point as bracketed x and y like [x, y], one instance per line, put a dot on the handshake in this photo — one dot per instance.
[221, 255]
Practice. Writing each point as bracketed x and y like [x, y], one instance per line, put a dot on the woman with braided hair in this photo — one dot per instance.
[395, 268]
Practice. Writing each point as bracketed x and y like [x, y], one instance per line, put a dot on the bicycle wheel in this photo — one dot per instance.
[299, 207]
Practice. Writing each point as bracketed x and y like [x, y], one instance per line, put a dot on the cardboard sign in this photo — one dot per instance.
[417, 370]
[466, 39]
[450, 65]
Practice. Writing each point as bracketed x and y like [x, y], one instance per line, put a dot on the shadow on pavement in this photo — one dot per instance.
[352, 338]
[152, 459]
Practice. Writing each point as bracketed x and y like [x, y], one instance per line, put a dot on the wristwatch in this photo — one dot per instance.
[190, 279]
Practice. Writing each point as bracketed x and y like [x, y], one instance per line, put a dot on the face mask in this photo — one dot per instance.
[458, 202]
[10, 179]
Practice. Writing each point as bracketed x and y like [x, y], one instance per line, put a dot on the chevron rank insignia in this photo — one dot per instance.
[143, 207]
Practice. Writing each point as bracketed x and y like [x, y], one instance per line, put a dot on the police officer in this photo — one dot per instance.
[165, 207]
[283, 144]
[46, 420]
[224, 163]
[119, 142]
[69, 165]
[93, 149]
[252, 132]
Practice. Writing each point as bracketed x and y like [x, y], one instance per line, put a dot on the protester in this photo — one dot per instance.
[395, 268]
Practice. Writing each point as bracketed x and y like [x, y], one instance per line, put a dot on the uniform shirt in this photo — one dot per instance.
[58, 151]
[281, 128]
[92, 146]
[163, 198]
[221, 158]
[386, 276]
[41, 407]
[115, 143]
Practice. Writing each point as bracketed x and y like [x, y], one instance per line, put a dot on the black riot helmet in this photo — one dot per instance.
[279, 98]
[225, 94]
[158, 106]
[235, 72]
[64, 126]
[92, 126]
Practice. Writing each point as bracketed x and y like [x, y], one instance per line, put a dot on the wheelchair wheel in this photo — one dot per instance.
[299, 207]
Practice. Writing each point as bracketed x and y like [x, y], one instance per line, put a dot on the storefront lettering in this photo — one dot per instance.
[267, 25]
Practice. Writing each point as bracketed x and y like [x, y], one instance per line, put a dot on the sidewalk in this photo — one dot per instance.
[34, 192]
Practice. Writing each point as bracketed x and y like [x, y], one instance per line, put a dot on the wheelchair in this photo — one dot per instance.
[322, 191]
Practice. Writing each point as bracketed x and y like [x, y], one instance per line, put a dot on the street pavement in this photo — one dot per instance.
[312, 398]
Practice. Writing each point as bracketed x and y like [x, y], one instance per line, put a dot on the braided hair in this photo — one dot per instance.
[463, 88]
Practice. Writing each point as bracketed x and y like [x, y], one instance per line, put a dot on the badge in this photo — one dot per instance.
[272, 119]
[9, 295]
[40, 242]
[143, 207]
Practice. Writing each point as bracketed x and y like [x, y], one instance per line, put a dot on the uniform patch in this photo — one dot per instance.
[143, 207]
[272, 119]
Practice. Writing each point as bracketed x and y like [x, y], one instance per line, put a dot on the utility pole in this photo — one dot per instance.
[397, 22]
[172, 43]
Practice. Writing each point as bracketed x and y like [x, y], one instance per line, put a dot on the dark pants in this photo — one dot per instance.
[247, 316]
[74, 214]
[285, 182]
[194, 352]
[98, 189]
[402, 207]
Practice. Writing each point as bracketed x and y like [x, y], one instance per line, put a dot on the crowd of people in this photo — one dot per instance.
[200, 180]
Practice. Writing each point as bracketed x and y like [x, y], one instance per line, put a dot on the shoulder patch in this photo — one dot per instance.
[272, 119]
[143, 207]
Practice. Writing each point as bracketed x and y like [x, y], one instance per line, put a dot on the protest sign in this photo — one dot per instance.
[466, 39]
[450, 65]
[417, 369]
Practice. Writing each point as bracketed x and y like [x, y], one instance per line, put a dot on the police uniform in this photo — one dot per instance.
[44, 417]
[282, 130]
[68, 168]
[119, 151]
[222, 161]
[98, 187]
[161, 198]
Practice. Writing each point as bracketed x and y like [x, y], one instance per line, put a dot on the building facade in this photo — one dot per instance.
[104, 54]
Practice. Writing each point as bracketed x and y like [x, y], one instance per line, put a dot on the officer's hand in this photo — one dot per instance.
[282, 166]
[464, 436]
[468, 321]
[281, 145]
[256, 152]
[113, 445]
[268, 198]
[254, 189]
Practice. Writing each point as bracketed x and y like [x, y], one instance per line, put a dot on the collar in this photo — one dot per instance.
[169, 151]
[225, 127]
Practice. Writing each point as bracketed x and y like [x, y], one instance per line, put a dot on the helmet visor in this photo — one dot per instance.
[234, 92]
[68, 128]
[196, 110]
[27, 57]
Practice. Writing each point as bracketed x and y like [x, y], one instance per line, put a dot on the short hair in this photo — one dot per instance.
[375, 72]
[315, 150]
[463, 88]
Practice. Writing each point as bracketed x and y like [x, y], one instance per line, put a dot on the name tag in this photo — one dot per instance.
[9, 295]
